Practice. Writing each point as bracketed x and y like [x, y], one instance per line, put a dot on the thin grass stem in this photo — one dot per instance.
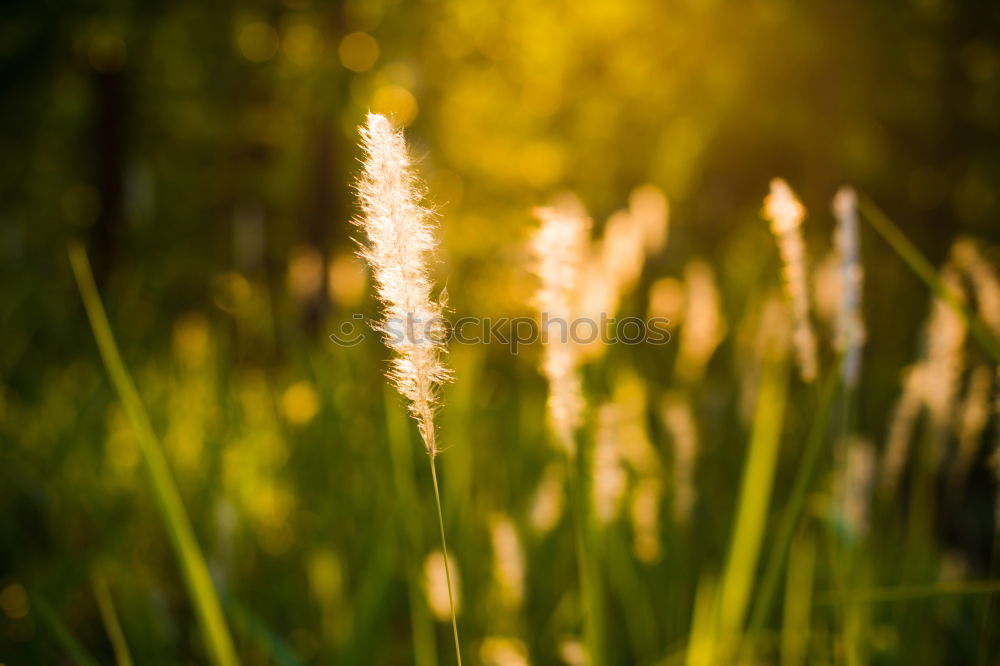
[61, 633]
[589, 579]
[195, 571]
[444, 550]
[920, 265]
[789, 519]
[752, 507]
[109, 617]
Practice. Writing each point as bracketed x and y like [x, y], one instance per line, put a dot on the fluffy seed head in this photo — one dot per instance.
[786, 213]
[704, 326]
[559, 248]
[400, 241]
[850, 325]
[680, 424]
[966, 256]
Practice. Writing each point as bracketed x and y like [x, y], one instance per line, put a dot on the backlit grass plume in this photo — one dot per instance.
[400, 241]
[786, 213]
[560, 247]
[850, 325]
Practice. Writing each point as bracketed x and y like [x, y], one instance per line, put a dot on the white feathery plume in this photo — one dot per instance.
[932, 383]
[786, 213]
[615, 262]
[609, 477]
[559, 248]
[548, 499]
[649, 207]
[508, 560]
[704, 325]
[850, 325]
[400, 241]
[946, 332]
[437, 573]
[967, 256]
[679, 422]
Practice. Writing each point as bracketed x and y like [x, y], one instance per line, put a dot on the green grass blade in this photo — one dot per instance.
[798, 600]
[404, 474]
[793, 508]
[447, 566]
[588, 565]
[109, 617]
[755, 494]
[195, 571]
[61, 633]
[919, 264]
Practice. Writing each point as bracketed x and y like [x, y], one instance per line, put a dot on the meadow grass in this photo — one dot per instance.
[830, 586]
[196, 576]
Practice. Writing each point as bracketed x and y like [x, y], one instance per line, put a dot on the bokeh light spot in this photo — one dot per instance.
[346, 280]
[258, 42]
[358, 51]
[14, 601]
[190, 339]
[302, 44]
[305, 272]
[396, 102]
[299, 403]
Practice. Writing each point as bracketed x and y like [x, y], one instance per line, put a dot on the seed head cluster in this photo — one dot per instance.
[400, 241]
[786, 213]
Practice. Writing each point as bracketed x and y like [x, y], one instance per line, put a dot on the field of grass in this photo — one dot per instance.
[203, 461]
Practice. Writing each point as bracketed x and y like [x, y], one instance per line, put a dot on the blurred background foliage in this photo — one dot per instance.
[204, 152]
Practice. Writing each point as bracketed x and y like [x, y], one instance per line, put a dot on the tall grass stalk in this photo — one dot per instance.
[559, 248]
[109, 617]
[588, 568]
[400, 241]
[920, 265]
[425, 653]
[793, 508]
[753, 501]
[798, 600]
[196, 575]
[60, 632]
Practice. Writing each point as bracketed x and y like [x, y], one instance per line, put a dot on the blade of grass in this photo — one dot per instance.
[919, 264]
[106, 607]
[798, 600]
[592, 600]
[754, 498]
[703, 642]
[447, 566]
[168, 499]
[60, 632]
[793, 507]
[424, 648]
[633, 593]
